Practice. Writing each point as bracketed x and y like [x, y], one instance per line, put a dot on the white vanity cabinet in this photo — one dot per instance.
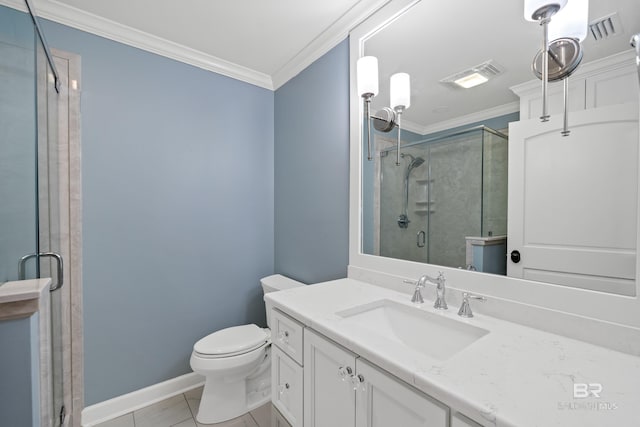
[341, 389]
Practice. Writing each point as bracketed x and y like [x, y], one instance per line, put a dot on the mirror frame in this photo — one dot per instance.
[621, 310]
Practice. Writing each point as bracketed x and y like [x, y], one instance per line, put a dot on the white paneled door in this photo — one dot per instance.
[572, 215]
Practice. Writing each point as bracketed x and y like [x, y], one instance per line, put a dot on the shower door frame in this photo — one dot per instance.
[64, 226]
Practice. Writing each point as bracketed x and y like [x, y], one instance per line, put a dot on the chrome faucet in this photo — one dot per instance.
[439, 281]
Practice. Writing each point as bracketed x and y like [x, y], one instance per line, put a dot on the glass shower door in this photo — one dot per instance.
[18, 145]
[29, 212]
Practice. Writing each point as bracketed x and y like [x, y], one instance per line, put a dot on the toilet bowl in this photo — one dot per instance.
[236, 364]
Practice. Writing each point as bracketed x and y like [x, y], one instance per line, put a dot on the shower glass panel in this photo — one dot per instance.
[18, 142]
[29, 213]
[459, 191]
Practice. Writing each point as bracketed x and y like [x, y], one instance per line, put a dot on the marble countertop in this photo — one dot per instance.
[513, 376]
[22, 290]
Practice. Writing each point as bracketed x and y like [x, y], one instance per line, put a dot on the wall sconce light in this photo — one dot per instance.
[400, 99]
[541, 11]
[367, 76]
[566, 31]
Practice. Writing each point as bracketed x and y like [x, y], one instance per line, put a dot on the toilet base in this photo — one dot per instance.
[222, 401]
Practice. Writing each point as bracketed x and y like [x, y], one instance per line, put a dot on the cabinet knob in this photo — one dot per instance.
[284, 337]
[357, 381]
[515, 256]
[344, 372]
[284, 387]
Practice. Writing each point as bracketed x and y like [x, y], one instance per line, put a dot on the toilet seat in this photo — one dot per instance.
[232, 341]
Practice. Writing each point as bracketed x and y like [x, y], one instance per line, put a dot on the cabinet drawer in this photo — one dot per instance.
[286, 386]
[286, 333]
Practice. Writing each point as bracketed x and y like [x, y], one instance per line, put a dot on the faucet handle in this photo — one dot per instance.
[416, 283]
[465, 308]
[417, 295]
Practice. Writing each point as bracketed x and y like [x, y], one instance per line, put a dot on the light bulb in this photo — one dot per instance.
[400, 91]
[367, 76]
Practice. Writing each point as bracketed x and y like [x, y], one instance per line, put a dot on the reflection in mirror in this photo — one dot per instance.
[483, 185]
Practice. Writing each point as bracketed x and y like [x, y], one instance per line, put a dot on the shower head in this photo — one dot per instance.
[415, 161]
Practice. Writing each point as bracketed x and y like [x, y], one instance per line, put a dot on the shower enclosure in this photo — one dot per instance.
[34, 188]
[446, 190]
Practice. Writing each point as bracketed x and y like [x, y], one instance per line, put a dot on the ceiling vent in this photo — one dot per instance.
[475, 75]
[605, 27]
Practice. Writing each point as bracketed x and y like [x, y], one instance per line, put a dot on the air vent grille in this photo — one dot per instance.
[606, 27]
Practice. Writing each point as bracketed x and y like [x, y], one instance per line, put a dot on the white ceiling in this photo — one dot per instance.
[263, 42]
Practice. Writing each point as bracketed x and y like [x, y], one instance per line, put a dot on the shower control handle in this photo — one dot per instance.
[515, 256]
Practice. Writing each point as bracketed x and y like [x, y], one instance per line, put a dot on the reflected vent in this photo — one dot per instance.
[606, 27]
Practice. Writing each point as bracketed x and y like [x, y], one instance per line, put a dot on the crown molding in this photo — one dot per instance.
[327, 40]
[81, 20]
[88, 22]
[489, 113]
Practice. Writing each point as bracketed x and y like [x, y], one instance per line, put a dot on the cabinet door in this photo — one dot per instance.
[329, 397]
[382, 401]
[286, 386]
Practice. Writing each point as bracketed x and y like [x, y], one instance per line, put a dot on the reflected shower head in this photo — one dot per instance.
[415, 161]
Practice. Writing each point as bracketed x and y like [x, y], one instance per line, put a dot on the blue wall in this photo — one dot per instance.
[177, 176]
[312, 170]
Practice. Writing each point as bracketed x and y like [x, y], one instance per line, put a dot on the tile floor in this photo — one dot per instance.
[181, 410]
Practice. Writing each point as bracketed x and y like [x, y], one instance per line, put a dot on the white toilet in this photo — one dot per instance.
[236, 364]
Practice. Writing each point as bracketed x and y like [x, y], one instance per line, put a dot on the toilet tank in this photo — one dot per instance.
[276, 282]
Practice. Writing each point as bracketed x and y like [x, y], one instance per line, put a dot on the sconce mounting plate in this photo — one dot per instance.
[384, 120]
[565, 54]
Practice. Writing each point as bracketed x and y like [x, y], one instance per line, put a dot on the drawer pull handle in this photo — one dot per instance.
[284, 388]
[344, 372]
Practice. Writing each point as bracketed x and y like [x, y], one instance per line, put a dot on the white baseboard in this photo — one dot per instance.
[121, 405]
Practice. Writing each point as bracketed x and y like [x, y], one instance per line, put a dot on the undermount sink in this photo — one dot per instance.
[431, 334]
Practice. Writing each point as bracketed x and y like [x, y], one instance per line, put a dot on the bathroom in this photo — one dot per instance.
[197, 182]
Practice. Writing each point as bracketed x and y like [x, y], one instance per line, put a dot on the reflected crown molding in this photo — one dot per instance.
[490, 113]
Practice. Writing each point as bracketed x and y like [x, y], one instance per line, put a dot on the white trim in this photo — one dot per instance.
[121, 405]
[94, 24]
[478, 116]
[76, 18]
[327, 40]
